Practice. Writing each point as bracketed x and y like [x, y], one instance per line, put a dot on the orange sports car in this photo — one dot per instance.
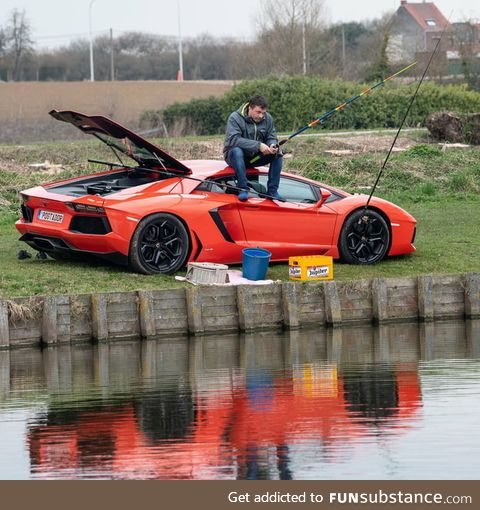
[161, 213]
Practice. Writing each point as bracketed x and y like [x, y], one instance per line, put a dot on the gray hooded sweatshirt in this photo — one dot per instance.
[243, 132]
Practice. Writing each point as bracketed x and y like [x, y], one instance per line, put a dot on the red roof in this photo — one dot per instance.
[423, 12]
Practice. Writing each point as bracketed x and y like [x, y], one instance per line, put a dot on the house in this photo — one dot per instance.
[415, 28]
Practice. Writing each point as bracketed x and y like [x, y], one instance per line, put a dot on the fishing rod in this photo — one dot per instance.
[176, 174]
[340, 107]
[405, 116]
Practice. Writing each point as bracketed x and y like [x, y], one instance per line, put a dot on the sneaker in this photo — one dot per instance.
[23, 254]
[276, 196]
[243, 196]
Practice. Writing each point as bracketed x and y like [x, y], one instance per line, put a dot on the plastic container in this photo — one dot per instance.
[255, 263]
[206, 273]
[315, 267]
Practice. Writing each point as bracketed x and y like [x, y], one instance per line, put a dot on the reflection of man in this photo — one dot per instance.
[251, 131]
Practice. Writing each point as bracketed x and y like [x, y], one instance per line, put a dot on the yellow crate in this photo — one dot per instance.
[315, 267]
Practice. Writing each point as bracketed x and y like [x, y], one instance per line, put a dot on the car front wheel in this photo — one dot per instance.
[160, 244]
[365, 238]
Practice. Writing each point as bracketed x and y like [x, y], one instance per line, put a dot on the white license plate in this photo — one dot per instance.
[50, 216]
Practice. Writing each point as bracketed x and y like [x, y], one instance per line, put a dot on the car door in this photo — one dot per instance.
[293, 227]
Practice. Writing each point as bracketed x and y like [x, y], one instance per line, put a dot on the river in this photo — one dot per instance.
[386, 402]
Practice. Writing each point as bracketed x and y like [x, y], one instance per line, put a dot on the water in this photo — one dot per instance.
[392, 402]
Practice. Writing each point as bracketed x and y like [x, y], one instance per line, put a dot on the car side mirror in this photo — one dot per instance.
[324, 196]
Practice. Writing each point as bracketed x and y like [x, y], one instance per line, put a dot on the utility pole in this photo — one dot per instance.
[180, 49]
[304, 48]
[92, 72]
[343, 51]
[112, 67]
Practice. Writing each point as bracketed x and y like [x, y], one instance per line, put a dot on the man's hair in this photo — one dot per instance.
[258, 100]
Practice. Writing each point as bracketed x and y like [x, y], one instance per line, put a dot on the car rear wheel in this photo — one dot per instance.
[160, 244]
[365, 238]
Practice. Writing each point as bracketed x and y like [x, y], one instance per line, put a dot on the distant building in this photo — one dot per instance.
[415, 28]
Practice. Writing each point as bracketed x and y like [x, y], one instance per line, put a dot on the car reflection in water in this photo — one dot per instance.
[240, 414]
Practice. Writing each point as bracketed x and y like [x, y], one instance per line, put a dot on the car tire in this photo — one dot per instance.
[160, 244]
[365, 238]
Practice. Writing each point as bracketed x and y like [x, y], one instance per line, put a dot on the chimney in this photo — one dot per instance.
[403, 2]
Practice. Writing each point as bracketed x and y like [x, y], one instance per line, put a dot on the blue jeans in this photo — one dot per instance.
[238, 160]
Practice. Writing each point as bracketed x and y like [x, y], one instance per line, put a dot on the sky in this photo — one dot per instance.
[57, 22]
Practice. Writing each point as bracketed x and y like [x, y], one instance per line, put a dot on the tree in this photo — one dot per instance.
[143, 57]
[374, 47]
[3, 45]
[287, 31]
[18, 42]
[381, 67]
[343, 41]
[3, 41]
[207, 59]
[464, 39]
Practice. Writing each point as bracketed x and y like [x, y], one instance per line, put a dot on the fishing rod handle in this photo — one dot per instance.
[276, 145]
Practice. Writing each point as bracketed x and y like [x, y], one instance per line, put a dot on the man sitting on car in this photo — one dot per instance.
[251, 132]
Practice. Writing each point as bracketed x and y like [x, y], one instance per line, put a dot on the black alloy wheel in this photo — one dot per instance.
[160, 244]
[365, 238]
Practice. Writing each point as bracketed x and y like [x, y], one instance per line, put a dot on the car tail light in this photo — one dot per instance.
[86, 208]
[27, 212]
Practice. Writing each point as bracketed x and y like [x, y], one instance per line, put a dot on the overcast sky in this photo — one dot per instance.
[56, 22]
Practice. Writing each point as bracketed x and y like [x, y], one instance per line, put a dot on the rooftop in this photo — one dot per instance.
[426, 14]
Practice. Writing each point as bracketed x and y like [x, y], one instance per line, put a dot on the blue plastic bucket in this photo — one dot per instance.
[255, 263]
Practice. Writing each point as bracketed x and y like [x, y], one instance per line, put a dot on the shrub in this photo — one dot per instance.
[197, 117]
[296, 100]
[151, 119]
[424, 151]
[461, 182]
[428, 189]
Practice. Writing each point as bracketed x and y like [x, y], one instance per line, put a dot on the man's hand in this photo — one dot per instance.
[265, 149]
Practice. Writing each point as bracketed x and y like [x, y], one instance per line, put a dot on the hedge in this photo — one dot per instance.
[297, 100]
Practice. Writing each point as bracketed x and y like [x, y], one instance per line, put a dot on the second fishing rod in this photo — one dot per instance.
[327, 115]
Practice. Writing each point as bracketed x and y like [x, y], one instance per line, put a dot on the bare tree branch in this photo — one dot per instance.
[18, 42]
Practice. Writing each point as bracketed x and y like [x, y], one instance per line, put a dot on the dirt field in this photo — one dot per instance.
[24, 106]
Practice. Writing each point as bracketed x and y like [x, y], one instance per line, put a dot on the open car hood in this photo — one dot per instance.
[123, 140]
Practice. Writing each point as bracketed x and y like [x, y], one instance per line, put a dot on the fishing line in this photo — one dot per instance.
[406, 114]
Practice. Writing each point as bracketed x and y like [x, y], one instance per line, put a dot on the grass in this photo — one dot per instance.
[441, 189]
